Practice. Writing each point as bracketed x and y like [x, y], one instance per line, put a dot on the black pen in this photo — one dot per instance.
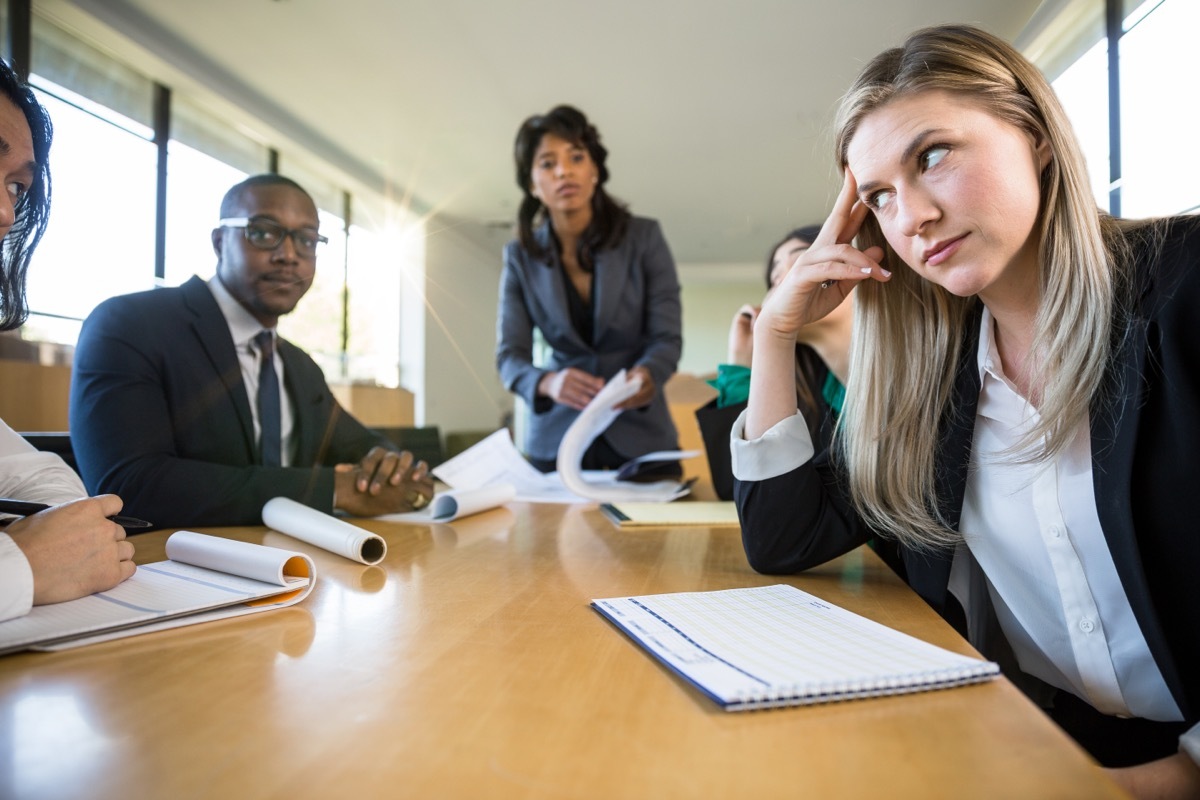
[25, 508]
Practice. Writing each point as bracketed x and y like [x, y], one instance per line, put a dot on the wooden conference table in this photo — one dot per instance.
[469, 664]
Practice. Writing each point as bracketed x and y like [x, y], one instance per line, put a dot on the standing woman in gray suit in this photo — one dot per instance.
[600, 285]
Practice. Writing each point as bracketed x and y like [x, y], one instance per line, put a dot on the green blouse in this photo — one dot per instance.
[733, 386]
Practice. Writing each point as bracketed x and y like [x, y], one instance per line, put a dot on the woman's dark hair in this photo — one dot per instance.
[609, 217]
[31, 210]
[807, 234]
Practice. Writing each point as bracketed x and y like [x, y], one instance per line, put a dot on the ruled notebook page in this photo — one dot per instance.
[160, 590]
[778, 645]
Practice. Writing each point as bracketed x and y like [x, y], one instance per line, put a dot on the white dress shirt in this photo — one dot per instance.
[243, 327]
[27, 474]
[1035, 531]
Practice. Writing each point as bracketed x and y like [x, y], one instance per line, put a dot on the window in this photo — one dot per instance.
[1160, 163]
[100, 239]
[1083, 90]
[380, 265]
[196, 182]
[1159, 170]
[204, 158]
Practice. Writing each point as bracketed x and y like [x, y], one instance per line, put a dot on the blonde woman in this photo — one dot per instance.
[1023, 409]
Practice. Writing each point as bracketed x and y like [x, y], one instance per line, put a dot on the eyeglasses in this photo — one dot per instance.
[267, 235]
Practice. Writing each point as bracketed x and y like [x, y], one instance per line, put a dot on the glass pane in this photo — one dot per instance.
[1159, 158]
[378, 264]
[206, 131]
[316, 324]
[71, 63]
[196, 182]
[100, 241]
[1083, 91]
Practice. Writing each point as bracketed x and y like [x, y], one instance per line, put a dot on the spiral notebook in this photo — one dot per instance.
[774, 646]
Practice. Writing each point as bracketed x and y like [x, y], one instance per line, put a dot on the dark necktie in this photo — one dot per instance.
[268, 401]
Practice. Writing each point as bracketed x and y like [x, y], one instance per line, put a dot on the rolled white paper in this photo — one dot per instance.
[249, 560]
[457, 503]
[323, 530]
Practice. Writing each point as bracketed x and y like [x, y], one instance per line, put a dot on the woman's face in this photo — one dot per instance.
[16, 161]
[955, 191]
[564, 177]
[785, 255]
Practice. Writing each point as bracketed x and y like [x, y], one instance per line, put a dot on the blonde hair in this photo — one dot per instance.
[907, 344]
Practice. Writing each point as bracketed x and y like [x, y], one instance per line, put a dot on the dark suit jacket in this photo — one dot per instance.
[160, 415]
[1145, 433]
[637, 323]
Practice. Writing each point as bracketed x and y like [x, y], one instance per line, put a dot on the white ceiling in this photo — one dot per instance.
[715, 114]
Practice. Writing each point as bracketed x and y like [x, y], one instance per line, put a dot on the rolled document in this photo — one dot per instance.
[266, 564]
[457, 503]
[323, 530]
[451, 505]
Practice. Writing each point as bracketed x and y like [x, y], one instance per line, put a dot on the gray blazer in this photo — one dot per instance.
[636, 298]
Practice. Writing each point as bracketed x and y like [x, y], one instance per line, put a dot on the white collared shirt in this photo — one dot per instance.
[27, 474]
[243, 327]
[1035, 531]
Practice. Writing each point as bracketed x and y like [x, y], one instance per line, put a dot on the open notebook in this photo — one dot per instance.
[203, 578]
[779, 646]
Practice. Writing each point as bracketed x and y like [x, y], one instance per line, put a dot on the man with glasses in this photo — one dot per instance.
[186, 403]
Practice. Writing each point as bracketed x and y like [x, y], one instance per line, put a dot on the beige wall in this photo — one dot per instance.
[462, 390]
[708, 309]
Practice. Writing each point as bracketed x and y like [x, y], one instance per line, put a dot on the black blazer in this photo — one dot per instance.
[716, 423]
[1145, 436]
[160, 415]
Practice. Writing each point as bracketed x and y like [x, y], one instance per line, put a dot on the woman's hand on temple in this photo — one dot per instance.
[824, 274]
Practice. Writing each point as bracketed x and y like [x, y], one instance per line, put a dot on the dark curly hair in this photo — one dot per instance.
[32, 209]
[610, 218]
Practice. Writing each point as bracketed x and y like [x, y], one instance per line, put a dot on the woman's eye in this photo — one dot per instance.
[932, 156]
[880, 200]
[15, 188]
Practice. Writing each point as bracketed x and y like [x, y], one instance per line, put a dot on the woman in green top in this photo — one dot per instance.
[822, 349]
[822, 360]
